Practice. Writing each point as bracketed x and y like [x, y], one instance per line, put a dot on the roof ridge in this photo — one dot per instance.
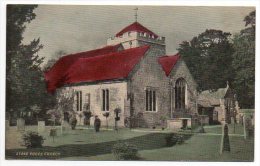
[99, 67]
[96, 49]
[135, 26]
[113, 53]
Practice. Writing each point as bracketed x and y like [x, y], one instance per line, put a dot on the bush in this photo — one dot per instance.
[73, 122]
[200, 129]
[173, 139]
[180, 139]
[32, 140]
[125, 151]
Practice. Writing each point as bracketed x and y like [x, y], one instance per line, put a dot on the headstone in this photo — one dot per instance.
[248, 127]
[20, 124]
[65, 126]
[41, 126]
[245, 128]
[225, 144]
[232, 120]
[7, 125]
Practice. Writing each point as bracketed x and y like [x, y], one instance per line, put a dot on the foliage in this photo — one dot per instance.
[57, 55]
[208, 57]
[55, 115]
[87, 114]
[125, 151]
[65, 99]
[73, 122]
[244, 63]
[25, 84]
[53, 132]
[32, 140]
[163, 120]
[200, 129]
[173, 139]
[106, 114]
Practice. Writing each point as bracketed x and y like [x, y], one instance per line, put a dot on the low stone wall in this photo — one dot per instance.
[176, 124]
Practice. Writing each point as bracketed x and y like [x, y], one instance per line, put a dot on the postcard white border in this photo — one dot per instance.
[133, 3]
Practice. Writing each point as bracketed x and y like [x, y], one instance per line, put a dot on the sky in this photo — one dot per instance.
[80, 28]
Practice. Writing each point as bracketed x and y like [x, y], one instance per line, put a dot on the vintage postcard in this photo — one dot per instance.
[154, 83]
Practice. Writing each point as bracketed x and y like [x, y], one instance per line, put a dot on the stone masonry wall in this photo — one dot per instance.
[181, 71]
[149, 73]
[117, 97]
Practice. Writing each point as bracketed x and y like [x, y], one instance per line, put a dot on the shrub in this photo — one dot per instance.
[32, 140]
[125, 151]
[180, 139]
[173, 139]
[200, 129]
[169, 140]
[73, 122]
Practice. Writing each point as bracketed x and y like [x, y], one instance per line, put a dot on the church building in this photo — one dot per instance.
[133, 74]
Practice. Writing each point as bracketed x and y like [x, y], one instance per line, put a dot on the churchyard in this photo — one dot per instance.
[85, 144]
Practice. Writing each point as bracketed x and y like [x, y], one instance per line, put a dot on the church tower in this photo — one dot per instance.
[136, 35]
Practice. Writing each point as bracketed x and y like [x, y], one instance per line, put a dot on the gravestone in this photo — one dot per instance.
[65, 126]
[20, 124]
[7, 125]
[245, 128]
[232, 120]
[248, 127]
[225, 144]
[41, 126]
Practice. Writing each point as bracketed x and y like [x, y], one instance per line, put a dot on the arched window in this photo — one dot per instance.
[180, 94]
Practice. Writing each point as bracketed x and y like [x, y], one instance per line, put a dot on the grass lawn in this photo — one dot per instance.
[88, 145]
[218, 129]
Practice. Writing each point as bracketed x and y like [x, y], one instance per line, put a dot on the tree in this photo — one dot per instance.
[56, 56]
[209, 58]
[24, 78]
[244, 63]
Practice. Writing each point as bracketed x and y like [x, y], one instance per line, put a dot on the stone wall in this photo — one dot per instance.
[136, 39]
[117, 97]
[149, 73]
[181, 70]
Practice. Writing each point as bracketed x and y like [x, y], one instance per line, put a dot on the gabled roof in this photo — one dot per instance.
[96, 65]
[110, 66]
[208, 101]
[168, 62]
[136, 27]
[55, 76]
[212, 96]
[218, 94]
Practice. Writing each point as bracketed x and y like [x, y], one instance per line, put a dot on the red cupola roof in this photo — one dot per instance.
[136, 27]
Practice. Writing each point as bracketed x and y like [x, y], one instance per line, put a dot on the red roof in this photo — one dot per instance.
[168, 62]
[102, 64]
[55, 76]
[136, 27]
[110, 66]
